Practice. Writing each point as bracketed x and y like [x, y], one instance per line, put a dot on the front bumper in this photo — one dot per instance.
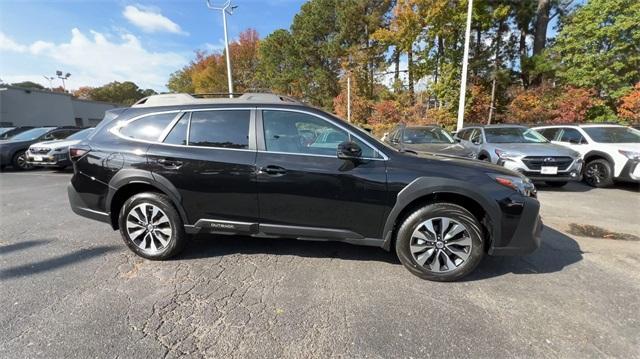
[630, 171]
[571, 173]
[521, 227]
[48, 160]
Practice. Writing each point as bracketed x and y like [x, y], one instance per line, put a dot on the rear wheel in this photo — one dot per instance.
[151, 226]
[440, 242]
[556, 184]
[598, 173]
[20, 161]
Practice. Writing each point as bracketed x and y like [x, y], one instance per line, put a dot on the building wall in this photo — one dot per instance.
[28, 107]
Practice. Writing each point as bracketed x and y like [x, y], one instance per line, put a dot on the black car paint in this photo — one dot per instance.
[316, 197]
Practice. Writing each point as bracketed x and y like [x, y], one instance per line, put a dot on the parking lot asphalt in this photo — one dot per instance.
[70, 288]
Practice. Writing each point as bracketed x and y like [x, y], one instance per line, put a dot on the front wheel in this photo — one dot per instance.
[20, 161]
[151, 226]
[598, 173]
[440, 242]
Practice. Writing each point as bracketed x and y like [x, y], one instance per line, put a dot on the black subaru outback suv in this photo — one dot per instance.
[265, 165]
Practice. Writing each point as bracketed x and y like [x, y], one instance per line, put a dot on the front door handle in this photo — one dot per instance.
[169, 163]
[273, 170]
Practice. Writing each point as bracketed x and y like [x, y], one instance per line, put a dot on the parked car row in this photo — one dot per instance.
[598, 153]
[27, 147]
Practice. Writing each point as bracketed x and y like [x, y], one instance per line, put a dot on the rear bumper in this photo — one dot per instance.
[80, 208]
[525, 237]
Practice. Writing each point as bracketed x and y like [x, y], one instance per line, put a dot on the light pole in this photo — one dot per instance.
[50, 79]
[61, 77]
[465, 60]
[225, 8]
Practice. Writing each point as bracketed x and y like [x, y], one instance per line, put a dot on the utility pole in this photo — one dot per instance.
[465, 60]
[349, 97]
[226, 8]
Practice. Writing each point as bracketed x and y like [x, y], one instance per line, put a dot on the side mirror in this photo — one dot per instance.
[476, 142]
[349, 150]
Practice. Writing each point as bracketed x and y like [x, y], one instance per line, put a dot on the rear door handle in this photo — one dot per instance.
[273, 170]
[169, 163]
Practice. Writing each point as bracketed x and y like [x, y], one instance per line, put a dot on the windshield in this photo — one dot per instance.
[513, 135]
[31, 134]
[613, 134]
[81, 135]
[418, 135]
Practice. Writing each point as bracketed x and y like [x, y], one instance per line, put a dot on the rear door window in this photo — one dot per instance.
[222, 129]
[178, 134]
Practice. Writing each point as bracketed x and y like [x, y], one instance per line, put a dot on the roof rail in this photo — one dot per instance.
[175, 99]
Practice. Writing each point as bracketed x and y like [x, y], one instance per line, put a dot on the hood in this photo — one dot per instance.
[55, 144]
[536, 149]
[464, 164]
[14, 143]
[454, 149]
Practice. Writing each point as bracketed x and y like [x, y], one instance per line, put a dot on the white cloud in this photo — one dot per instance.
[7, 44]
[150, 21]
[95, 60]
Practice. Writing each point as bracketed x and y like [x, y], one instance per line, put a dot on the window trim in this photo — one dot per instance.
[159, 141]
[262, 143]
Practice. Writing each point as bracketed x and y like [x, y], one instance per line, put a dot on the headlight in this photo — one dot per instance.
[522, 185]
[506, 155]
[632, 155]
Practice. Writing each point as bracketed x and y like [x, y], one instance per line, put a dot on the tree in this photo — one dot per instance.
[28, 85]
[598, 47]
[629, 107]
[124, 93]
[83, 93]
[279, 68]
[180, 81]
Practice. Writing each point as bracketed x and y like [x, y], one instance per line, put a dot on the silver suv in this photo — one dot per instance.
[523, 150]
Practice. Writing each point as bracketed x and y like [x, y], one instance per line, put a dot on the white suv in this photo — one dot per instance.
[610, 152]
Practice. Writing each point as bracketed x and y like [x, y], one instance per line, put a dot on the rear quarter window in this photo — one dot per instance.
[148, 128]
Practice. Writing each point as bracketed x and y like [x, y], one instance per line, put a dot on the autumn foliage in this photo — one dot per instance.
[629, 107]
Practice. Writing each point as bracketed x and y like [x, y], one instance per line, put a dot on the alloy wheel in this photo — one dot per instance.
[21, 161]
[595, 173]
[149, 228]
[440, 244]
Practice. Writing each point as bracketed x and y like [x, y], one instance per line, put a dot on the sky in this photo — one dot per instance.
[103, 41]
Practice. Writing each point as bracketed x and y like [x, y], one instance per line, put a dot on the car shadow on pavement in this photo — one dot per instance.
[556, 252]
[569, 187]
[210, 245]
[14, 247]
[54, 263]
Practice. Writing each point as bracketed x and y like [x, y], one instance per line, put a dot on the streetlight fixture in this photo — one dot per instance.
[226, 8]
[61, 77]
[465, 60]
[50, 79]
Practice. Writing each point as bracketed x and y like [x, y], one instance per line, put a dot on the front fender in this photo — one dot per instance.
[425, 186]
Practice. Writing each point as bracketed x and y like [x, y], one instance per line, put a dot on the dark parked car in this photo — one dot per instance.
[12, 151]
[8, 132]
[422, 140]
[267, 166]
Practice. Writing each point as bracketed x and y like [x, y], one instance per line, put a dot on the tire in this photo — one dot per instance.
[19, 161]
[598, 173]
[468, 242]
[556, 184]
[163, 238]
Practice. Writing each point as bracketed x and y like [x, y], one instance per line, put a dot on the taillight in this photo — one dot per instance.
[78, 151]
